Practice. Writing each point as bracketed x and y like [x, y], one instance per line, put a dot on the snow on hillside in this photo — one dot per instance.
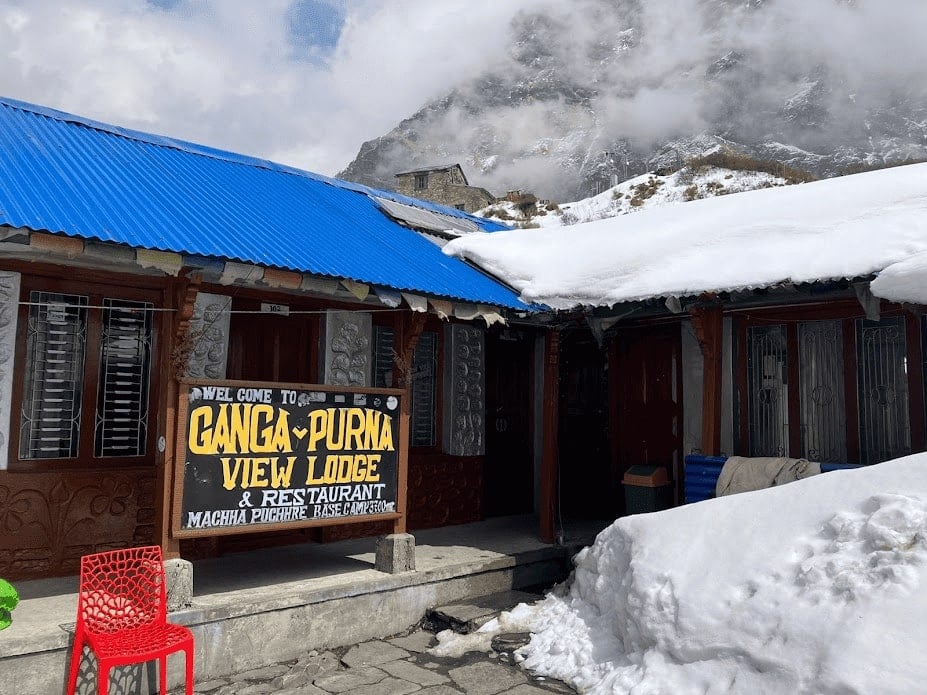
[816, 586]
[640, 193]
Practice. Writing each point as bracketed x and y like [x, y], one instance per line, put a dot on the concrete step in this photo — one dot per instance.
[470, 615]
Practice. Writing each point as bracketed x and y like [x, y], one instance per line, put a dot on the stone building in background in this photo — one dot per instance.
[446, 185]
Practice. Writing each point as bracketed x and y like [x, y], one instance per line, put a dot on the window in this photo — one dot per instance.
[767, 379]
[827, 390]
[420, 182]
[383, 338]
[882, 375]
[85, 390]
[53, 376]
[424, 387]
[424, 390]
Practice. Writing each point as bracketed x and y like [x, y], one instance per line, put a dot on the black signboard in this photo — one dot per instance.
[255, 456]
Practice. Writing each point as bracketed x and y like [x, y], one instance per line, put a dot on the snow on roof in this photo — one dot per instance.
[845, 227]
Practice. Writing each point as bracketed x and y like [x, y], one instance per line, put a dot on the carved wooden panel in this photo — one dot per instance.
[9, 305]
[347, 348]
[209, 336]
[444, 490]
[48, 520]
[464, 391]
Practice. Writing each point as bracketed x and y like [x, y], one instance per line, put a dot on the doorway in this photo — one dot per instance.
[508, 472]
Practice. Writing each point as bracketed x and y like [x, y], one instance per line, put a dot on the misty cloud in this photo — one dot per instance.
[525, 93]
[843, 80]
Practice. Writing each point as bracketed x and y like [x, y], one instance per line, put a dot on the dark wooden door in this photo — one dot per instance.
[586, 484]
[269, 347]
[509, 463]
[646, 399]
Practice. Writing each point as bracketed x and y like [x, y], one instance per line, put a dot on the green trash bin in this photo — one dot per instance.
[646, 489]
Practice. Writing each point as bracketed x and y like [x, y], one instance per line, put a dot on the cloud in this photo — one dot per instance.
[304, 82]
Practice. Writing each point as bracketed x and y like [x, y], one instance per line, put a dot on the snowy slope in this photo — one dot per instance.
[638, 194]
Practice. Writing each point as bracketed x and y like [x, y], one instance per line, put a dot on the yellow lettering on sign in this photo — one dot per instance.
[350, 429]
[247, 472]
[239, 428]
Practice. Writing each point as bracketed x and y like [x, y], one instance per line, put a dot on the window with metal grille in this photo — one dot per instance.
[767, 383]
[383, 339]
[424, 390]
[56, 344]
[122, 389]
[421, 182]
[882, 377]
[821, 391]
[86, 382]
[834, 390]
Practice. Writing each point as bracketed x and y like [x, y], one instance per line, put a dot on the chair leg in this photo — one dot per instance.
[77, 652]
[103, 678]
[188, 658]
[162, 675]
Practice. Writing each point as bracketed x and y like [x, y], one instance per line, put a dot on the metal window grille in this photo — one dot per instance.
[821, 391]
[122, 390]
[767, 377]
[882, 385]
[424, 390]
[383, 341]
[421, 182]
[53, 381]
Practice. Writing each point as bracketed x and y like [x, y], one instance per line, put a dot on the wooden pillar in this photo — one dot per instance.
[171, 365]
[708, 322]
[409, 330]
[550, 454]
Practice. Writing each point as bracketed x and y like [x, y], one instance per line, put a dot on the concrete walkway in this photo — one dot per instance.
[395, 666]
[273, 607]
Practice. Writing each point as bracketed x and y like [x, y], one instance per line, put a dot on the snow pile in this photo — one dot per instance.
[846, 227]
[818, 586]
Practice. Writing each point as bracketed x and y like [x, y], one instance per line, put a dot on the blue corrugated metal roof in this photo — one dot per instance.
[70, 175]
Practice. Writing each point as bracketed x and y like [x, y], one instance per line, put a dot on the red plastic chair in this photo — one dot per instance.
[122, 616]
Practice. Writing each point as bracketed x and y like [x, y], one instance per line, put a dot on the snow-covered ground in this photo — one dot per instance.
[817, 587]
[640, 193]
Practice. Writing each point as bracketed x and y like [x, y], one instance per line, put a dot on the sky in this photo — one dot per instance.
[306, 82]
[812, 587]
[301, 82]
[843, 227]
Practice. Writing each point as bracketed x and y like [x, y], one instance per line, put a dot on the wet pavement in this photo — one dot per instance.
[393, 666]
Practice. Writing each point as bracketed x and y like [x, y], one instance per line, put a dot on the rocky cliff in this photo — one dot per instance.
[593, 91]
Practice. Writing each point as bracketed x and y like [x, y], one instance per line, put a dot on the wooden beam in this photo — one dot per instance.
[550, 453]
[175, 337]
[409, 331]
[707, 319]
